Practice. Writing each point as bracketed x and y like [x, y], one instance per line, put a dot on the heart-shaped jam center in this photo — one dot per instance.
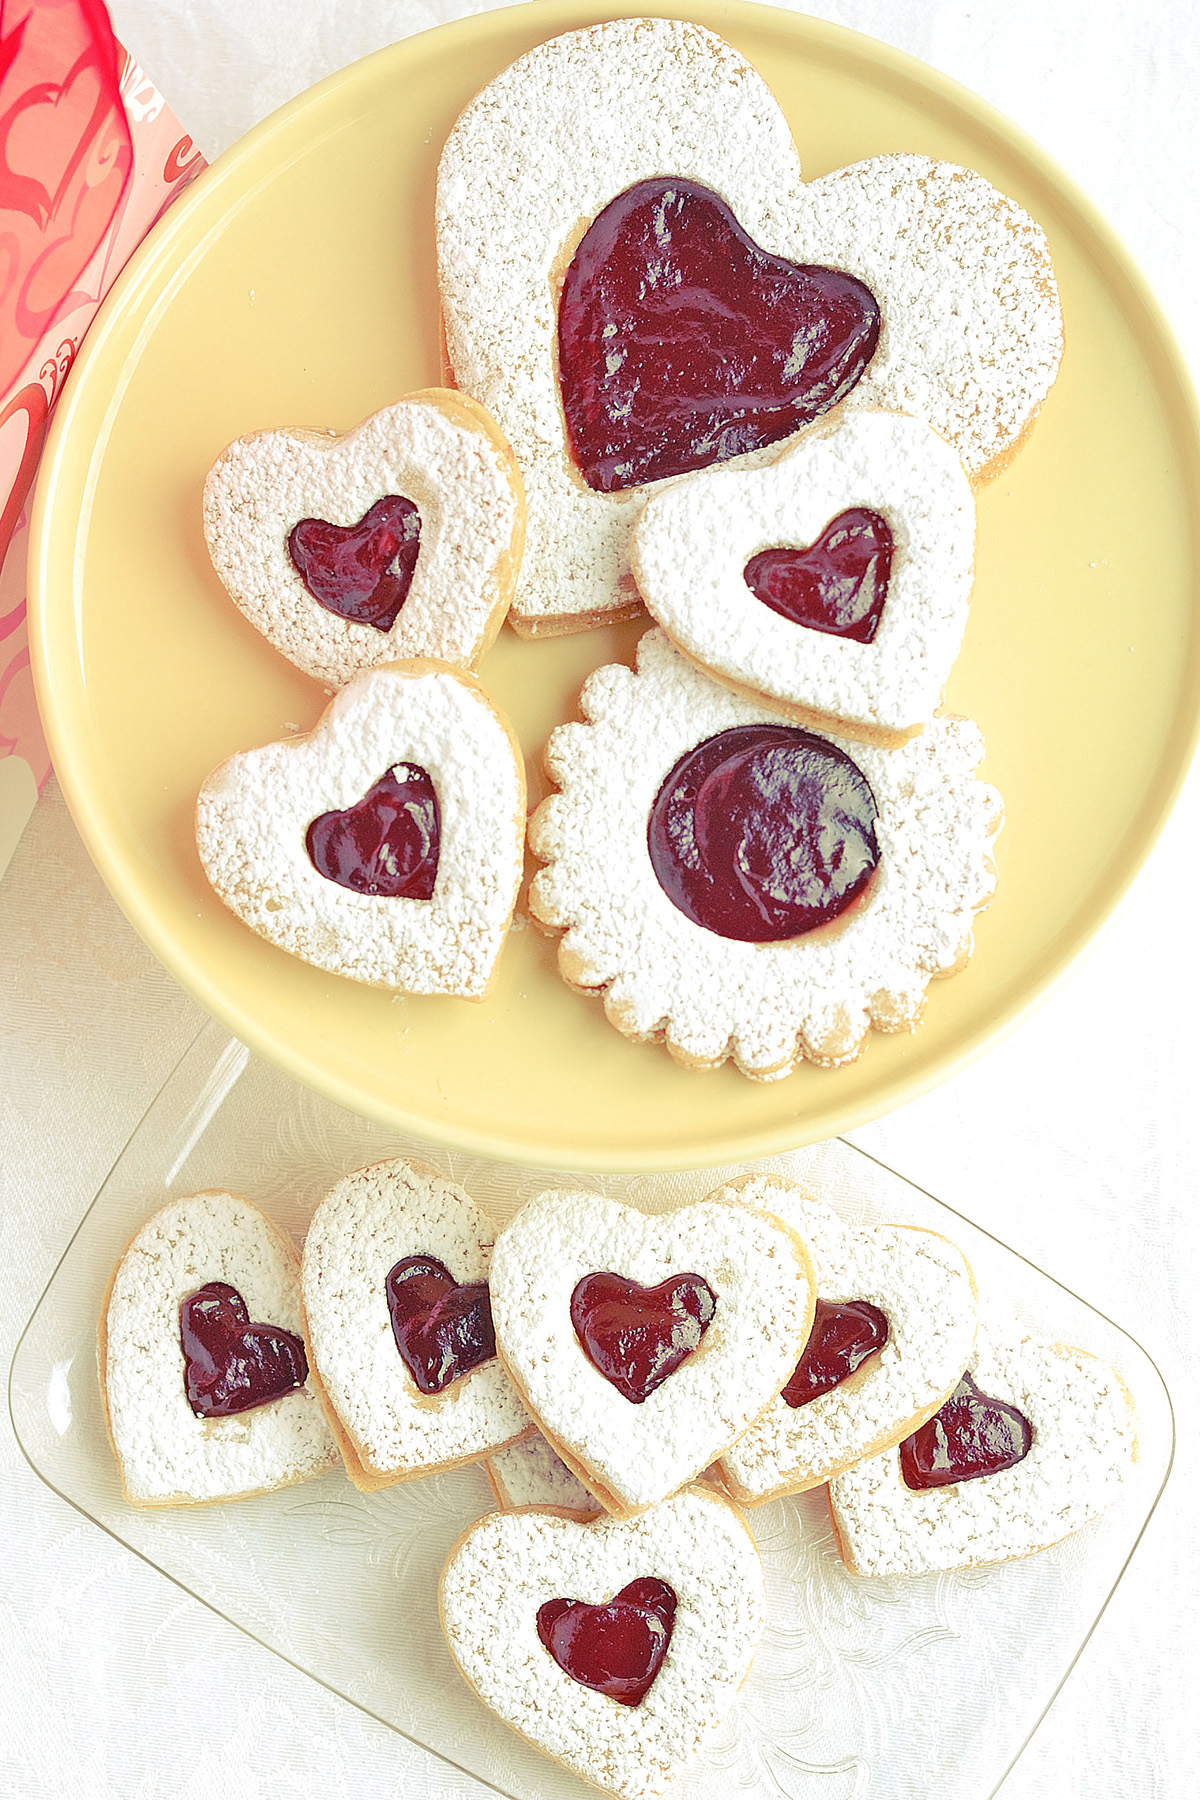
[229, 1364]
[764, 832]
[837, 585]
[617, 1648]
[681, 343]
[637, 1336]
[387, 843]
[442, 1327]
[362, 571]
[844, 1333]
[973, 1434]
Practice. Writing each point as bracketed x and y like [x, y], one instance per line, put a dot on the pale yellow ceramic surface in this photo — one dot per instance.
[294, 286]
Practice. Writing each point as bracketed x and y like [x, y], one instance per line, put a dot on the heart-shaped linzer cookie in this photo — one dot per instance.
[644, 1344]
[615, 1647]
[400, 538]
[532, 1473]
[395, 1284]
[387, 844]
[834, 584]
[1034, 1447]
[681, 343]
[202, 1359]
[894, 1328]
[607, 204]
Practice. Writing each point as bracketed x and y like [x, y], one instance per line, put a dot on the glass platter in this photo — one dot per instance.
[897, 1690]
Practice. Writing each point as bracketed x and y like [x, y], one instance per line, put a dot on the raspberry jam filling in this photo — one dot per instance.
[973, 1435]
[764, 832]
[442, 1327]
[387, 843]
[617, 1648]
[637, 1336]
[363, 571]
[837, 585]
[681, 343]
[229, 1364]
[844, 1333]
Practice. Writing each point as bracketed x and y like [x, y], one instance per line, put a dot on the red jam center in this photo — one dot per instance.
[363, 571]
[387, 843]
[764, 832]
[618, 1648]
[972, 1435]
[637, 1336]
[230, 1365]
[844, 1333]
[837, 585]
[442, 1327]
[681, 343]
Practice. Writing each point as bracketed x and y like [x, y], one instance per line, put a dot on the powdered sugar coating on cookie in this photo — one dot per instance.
[531, 1473]
[167, 1455]
[1084, 1438]
[922, 1284]
[254, 811]
[510, 1564]
[367, 1224]
[436, 449]
[710, 997]
[691, 544]
[633, 1455]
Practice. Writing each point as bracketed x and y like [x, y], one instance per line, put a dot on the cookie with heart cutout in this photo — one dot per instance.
[347, 550]
[736, 886]
[832, 585]
[203, 1370]
[386, 845]
[396, 1305]
[531, 1473]
[645, 1344]
[609, 169]
[894, 1328]
[615, 1647]
[1033, 1443]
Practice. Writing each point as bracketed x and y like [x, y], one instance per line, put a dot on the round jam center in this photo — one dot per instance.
[362, 571]
[973, 1435]
[617, 1648]
[681, 343]
[387, 843]
[442, 1327]
[637, 1336]
[764, 832]
[844, 1333]
[837, 585]
[230, 1364]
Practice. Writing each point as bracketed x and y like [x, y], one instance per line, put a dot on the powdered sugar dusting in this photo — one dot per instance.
[510, 1564]
[532, 1474]
[168, 1455]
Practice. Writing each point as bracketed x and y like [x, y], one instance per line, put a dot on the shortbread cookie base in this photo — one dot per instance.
[253, 814]
[439, 449]
[1085, 1438]
[509, 1564]
[925, 1287]
[630, 1456]
[531, 1473]
[768, 1006]
[387, 1430]
[166, 1455]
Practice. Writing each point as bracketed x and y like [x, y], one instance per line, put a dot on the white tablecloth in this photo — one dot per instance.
[1077, 1140]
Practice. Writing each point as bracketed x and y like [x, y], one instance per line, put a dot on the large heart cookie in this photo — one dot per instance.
[400, 538]
[559, 1626]
[864, 1381]
[202, 1359]
[1035, 1444]
[865, 643]
[968, 333]
[644, 1345]
[385, 845]
[396, 1303]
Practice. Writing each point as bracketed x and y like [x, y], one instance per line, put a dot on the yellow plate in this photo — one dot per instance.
[294, 286]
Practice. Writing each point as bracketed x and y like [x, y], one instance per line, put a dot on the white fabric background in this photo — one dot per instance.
[1077, 1140]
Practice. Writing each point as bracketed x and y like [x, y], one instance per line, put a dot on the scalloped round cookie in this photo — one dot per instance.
[769, 1004]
